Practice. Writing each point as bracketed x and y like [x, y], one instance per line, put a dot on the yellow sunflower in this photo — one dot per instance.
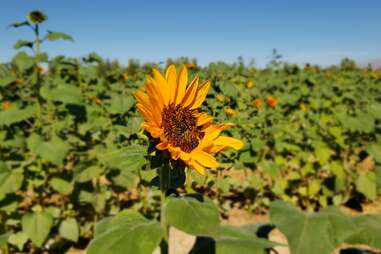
[169, 107]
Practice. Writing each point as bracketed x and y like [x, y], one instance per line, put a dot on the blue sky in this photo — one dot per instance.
[320, 32]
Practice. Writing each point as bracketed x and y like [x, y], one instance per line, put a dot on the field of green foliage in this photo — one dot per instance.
[72, 151]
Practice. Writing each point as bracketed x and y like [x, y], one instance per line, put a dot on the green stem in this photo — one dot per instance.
[164, 183]
[37, 41]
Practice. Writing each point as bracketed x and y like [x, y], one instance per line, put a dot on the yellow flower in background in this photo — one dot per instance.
[169, 106]
[19, 81]
[302, 107]
[258, 103]
[230, 111]
[252, 71]
[40, 69]
[190, 66]
[5, 105]
[249, 84]
[375, 75]
[125, 76]
[272, 101]
[220, 97]
[97, 100]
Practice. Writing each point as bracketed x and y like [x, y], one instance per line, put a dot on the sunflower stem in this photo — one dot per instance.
[164, 184]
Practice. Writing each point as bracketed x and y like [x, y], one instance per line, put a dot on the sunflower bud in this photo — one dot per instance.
[36, 17]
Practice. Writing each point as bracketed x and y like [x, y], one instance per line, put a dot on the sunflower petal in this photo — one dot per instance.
[228, 142]
[198, 167]
[142, 98]
[214, 130]
[171, 77]
[145, 113]
[175, 152]
[154, 95]
[205, 159]
[149, 115]
[185, 156]
[163, 85]
[190, 93]
[153, 130]
[201, 95]
[181, 84]
[155, 101]
[203, 118]
[162, 146]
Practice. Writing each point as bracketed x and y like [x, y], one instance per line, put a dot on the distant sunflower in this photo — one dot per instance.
[272, 101]
[169, 107]
[36, 17]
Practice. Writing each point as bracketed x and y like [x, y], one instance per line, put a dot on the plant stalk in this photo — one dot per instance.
[164, 183]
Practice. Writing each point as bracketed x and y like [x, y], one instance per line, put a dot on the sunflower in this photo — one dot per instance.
[36, 17]
[272, 101]
[169, 106]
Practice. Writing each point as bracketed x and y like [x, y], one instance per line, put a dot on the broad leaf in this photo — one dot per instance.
[53, 151]
[368, 231]
[23, 61]
[130, 158]
[10, 180]
[15, 114]
[63, 93]
[366, 184]
[231, 240]
[130, 236]
[53, 36]
[192, 216]
[306, 233]
[69, 229]
[37, 226]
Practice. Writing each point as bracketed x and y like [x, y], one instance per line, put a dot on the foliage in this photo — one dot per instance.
[72, 154]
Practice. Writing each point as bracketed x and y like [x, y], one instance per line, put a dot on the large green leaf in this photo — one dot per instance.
[123, 216]
[10, 180]
[61, 185]
[126, 234]
[53, 36]
[15, 114]
[306, 233]
[23, 61]
[69, 229]
[23, 43]
[37, 226]
[368, 231]
[130, 158]
[53, 151]
[367, 185]
[231, 240]
[120, 104]
[4, 238]
[18, 239]
[374, 149]
[5, 81]
[63, 93]
[88, 173]
[322, 232]
[192, 216]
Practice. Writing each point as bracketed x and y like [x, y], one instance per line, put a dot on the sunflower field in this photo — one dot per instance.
[87, 164]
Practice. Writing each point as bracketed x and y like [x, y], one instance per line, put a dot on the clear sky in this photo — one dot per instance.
[320, 32]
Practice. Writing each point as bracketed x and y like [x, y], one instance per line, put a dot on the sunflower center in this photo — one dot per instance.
[180, 127]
